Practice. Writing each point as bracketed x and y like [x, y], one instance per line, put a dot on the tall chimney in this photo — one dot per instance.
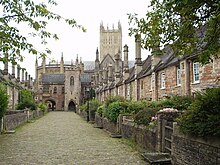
[18, 72]
[13, 71]
[22, 78]
[5, 72]
[138, 62]
[126, 68]
[117, 71]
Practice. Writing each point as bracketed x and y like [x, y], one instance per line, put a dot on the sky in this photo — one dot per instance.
[89, 13]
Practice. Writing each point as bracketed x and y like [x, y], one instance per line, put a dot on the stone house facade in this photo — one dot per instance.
[15, 82]
[159, 77]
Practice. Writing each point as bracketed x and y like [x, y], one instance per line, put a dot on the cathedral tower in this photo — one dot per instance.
[110, 41]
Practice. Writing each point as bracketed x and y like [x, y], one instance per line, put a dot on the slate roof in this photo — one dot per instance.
[53, 78]
[85, 78]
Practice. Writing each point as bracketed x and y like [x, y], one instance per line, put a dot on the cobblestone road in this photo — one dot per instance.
[64, 138]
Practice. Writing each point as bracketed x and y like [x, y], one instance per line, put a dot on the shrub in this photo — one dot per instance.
[3, 100]
[100, 110]
[202, 117]
[181, 102]
[135, 106]
[42, 107]
[93, 106]
[143, 117]
[113, 110]
[112, 99]
[26, 100]
[84, 107]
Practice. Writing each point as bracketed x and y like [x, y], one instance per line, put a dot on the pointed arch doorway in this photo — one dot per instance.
[72, 106]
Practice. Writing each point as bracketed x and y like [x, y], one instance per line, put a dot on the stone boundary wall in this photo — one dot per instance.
[144, 137]
[13, 119]
[98, 120]
[188, 150]
[83, 114]
[109, 126]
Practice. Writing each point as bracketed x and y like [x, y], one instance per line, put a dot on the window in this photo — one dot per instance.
[55, 90]
[63, 90]
[152, 82]
[162, 80]
[71, 81]
[178, 76]
[196, 72]
[142, 84]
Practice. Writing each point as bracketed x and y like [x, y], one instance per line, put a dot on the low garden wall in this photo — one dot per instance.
[83, 114]
[98, 120]
[146, 138]
[109, 126]
[13, 119]
[187, 150]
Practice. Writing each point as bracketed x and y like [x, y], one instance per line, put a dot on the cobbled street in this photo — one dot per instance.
[64, 138]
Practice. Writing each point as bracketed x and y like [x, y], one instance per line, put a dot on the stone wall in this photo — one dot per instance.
[145, 138]
[98, 120]
[188, 150]
[83, 114]
[13, 120]
[109, 126]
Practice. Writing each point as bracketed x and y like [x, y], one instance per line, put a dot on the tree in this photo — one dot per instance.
[189, 27]
[3, 101]
[33, 14]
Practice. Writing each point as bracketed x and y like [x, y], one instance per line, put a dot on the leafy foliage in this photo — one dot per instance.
[112, 99]
[93, 106]
[113, 110]
[26, 100]
[202, 117]
[135, 106]
[42, 106]
[143, 117]
[100, 110]
[84, 107]
[32, 14]
[3, 100]
[187, 26]
[176, 102]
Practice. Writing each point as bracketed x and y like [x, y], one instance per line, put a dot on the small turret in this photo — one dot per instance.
[97, 60]
[18, 72]
[44, 64]
[61, 64]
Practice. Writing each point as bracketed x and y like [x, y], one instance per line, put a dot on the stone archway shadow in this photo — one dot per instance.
[72, 106]
[51, 104]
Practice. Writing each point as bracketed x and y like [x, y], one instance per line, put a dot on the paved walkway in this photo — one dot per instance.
[64, 138]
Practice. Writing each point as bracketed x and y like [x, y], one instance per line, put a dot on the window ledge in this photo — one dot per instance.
[194, 83]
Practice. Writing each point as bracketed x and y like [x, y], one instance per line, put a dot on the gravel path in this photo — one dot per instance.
[64, 138]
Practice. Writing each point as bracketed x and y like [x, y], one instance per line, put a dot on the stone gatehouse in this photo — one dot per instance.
[62, 86]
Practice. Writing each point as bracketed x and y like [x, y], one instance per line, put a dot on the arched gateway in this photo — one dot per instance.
[51, 104]
[72, 106]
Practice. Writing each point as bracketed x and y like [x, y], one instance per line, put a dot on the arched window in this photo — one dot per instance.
[71, 81]
[55, 90]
